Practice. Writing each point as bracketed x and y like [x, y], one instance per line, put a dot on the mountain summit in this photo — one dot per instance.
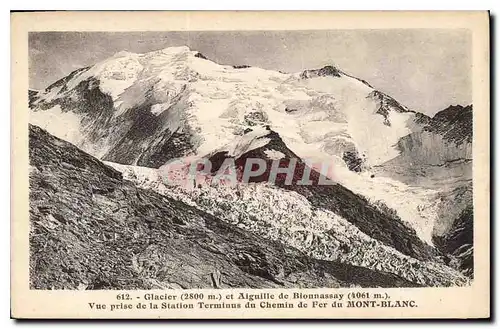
[145, 109]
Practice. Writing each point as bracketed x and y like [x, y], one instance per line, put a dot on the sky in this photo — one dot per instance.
[424, 69]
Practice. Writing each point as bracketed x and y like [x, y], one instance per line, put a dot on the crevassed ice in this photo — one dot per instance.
[289, 217]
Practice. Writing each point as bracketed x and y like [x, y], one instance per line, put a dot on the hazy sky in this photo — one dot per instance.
[424, 69]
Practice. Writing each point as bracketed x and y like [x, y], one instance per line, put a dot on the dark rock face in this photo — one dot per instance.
[160, 144]
[387, 103]
[322, 72]
[62, 82]
[275, 144]
[256, 118]
[446, 138]
[458, 242]
[33, 96]
[422, 119]
[353, 161]
[87, 100]
[172, 146]
[90, 229]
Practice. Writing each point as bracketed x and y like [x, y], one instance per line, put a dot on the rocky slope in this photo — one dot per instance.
[307, 180]
[90, 229]
[145, 109]
[287, 216]
[453, 123]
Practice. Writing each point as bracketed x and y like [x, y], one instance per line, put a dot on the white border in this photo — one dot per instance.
[493, 5]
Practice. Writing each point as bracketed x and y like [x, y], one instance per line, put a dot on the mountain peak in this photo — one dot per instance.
[175, 50]
[172, 51]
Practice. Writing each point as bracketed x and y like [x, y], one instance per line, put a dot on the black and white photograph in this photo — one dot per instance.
[250, 165]
[192, 159]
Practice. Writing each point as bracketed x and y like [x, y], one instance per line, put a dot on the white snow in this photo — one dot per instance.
[415, 205]
[250, 141]
[317, 118]
[274, 155]
[115, 74]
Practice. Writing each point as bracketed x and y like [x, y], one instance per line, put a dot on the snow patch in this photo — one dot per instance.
[249, 141]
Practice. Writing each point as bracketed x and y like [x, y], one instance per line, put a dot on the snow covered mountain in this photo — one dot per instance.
[402, 191]
[144, 109]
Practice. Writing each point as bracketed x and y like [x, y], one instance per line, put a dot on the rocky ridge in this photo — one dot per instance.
[92, 230]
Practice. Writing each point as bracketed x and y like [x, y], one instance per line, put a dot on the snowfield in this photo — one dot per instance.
[289, 217]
